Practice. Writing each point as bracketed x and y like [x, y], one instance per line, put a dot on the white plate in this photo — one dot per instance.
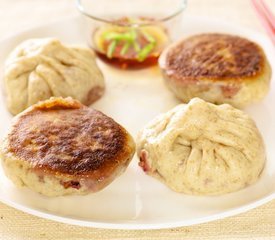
[134, 200]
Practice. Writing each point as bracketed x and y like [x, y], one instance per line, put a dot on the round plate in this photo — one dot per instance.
[134, 200]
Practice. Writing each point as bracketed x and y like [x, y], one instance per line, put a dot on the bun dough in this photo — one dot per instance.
[219, 68]
[60, 147]
[40, 68]
[203, 149]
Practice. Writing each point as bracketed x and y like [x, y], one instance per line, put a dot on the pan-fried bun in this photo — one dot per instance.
[218, 68]
[59, 147]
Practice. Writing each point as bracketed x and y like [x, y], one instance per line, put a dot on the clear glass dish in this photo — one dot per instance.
[131, 34]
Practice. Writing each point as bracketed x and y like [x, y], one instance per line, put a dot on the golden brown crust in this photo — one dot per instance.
[214, 57]
[64, 137]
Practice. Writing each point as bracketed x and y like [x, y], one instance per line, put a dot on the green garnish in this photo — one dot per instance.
[148, 37]
[117, 36]
[144, 52]
[136, 47]
[129, 39]
[111, 49]
[125, 48]
[133, 33]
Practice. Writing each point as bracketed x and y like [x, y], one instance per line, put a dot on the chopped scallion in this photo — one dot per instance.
[136, 47]
[111, 49]
[133, 33]
[144, 52]
[148, 37]
[125, 48]
[118, 36]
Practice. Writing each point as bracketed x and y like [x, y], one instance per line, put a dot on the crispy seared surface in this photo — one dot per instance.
[215, 57]
[65, 137]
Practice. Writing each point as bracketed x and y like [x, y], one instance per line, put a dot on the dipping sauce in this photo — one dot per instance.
[130, 47]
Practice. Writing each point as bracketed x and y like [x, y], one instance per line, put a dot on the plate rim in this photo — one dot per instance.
[135, 226]
[138, 226]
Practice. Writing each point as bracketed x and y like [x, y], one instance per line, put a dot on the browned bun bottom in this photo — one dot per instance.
[218, 68]
[59, 147]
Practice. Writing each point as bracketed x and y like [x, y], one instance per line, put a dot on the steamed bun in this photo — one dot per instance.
[40, 68]
[203, 149]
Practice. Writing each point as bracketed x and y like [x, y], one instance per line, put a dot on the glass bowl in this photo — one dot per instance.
[131, 34]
